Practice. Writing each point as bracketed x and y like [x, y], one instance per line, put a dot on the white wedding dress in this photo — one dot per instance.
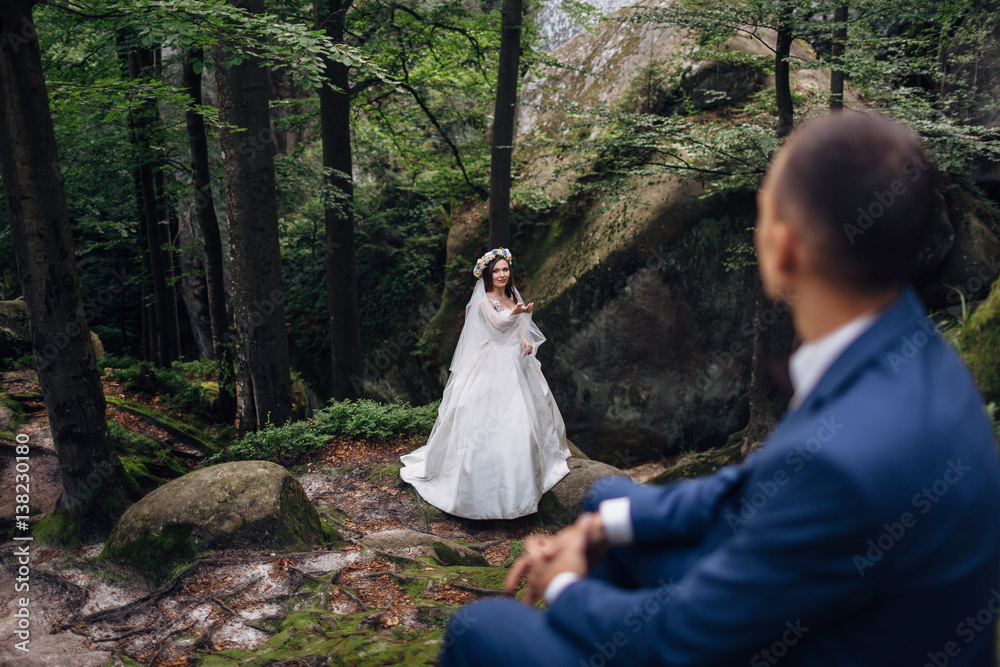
[499, 441]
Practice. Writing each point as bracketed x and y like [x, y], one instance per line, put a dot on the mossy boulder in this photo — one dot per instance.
[244, 504]
[565, 500]
[979, 341]
[699, 464]
[15, 337]
[967, 269]
[445, 551]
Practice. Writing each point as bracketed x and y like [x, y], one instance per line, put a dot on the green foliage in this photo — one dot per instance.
[128, 441]
[178, 386]
[362, 419]
[400, 255]
[978, 340]
[913, 61]
[24, 362]
[370, 419]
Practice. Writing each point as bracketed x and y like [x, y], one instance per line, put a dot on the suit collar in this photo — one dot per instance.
[890, 329]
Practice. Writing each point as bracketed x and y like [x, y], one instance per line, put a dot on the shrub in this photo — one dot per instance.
[179, 385]
[363, 419]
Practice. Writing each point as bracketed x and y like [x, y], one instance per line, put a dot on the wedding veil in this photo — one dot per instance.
[483, 325]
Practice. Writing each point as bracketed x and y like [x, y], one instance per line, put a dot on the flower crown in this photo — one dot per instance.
[489, 257]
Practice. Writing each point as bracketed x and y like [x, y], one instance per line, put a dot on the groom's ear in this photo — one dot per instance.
[790, 248]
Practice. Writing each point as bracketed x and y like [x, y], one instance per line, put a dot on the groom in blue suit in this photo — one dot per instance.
[865, 531]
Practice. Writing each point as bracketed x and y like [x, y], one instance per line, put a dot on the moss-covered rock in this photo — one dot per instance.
[565, 500]
[8, 518]
[980, 344]
[445, 551]
[698, 464]
[968, 268]
[244, 504]
[15, 337]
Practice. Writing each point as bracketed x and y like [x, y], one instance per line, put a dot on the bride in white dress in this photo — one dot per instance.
[499, 441]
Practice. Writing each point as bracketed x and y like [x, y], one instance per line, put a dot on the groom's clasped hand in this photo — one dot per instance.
[576, 548]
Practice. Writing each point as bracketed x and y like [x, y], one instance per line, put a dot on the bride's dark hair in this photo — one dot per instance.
[508, 289]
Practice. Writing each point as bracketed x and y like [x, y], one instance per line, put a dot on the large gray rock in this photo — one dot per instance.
[447, 552]
[565, 500]
[969, 268]
[244, 504]
[15, 336]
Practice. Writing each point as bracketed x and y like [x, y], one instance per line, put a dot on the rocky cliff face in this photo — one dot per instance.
[649, 335]
[556, 26]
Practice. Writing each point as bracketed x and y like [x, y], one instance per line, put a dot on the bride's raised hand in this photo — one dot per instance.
[521, 308]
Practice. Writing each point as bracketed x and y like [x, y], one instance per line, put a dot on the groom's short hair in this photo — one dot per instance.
[860, 188]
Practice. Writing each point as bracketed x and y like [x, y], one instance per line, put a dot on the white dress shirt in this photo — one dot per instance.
[807, 366]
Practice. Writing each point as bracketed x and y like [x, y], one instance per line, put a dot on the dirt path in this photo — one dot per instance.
[235, 602]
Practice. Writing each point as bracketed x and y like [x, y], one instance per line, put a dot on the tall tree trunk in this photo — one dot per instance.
[341, 272]
[94, 482]
[782, 81]
[146, 301]
[503, 122]
[204, 205]
[770, 338]
[263, 377]
[770, 389]
[142, 121]
[193, 288]
[836, 56]
[168, 232]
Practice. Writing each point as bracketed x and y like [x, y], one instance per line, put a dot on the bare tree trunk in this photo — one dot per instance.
[770, 337]
[94, 482]
[168, 232]
[204, 205]
[503, 122]
[782, 82]
[836, 56]
[341, 272]
[193, 288]
[770, 389]
[142, 119]
[263, 376]
[146, 302]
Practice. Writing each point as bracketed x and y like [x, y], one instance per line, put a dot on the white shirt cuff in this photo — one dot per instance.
[558, 585]
[616, 517]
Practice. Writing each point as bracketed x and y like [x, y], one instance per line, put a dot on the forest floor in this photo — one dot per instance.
[344, 605]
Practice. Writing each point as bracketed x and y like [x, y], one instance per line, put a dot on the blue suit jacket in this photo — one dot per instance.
[866, 531]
